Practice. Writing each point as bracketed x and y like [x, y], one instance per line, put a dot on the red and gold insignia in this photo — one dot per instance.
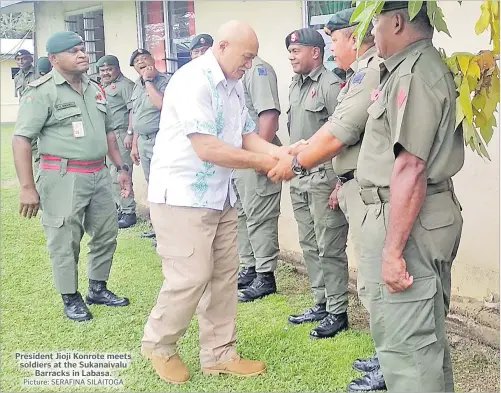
[294, 37]
[202, 40]
[313, 93]
[29, 99]
[375, 95]
[401, 97]
[113, 87]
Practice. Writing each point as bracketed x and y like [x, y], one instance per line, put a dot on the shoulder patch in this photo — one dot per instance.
[41, 80]
[261, 71]
[408, 64]
[358, 77]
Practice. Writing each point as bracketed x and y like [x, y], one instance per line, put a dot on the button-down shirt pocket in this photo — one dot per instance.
[377, 127]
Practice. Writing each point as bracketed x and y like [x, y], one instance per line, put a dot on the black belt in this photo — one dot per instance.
[347, 176]
[320, 168]
[374, 195]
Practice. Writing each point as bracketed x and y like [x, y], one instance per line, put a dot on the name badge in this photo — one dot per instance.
[78, 129]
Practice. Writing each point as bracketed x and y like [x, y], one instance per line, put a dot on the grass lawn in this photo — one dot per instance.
[33, 319]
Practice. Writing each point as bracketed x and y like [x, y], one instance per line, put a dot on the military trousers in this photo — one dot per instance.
[35, 156]
[352, 206]
[258, 208]
[126, 205]
[408, 327]
[145, 146]
[72, 203]
[199, 254]
[323, 234]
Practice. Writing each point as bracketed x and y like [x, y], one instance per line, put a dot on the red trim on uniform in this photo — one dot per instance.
[53, 167]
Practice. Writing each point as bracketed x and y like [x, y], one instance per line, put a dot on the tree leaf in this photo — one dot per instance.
[478, 101]
[414, 8]
[486, 131]
[464, 99]
[360, 8]
[473, 69]
[485, 18]
[464, 63]
[436, 17]
[459, 113]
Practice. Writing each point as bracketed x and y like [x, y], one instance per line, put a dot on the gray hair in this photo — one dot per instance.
[368, 38]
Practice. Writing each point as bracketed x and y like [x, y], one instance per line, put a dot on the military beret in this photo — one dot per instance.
[43, 65]
[395, 5]
[339, 21]
[108, 60]
[305, 37]
[201, 40]
[22, 52]
[136, 53]
[62, 41]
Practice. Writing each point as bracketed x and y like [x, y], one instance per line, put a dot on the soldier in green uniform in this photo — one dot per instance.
[68, 113]
[118, 91]
[412, 226]
[322, 231]
[43, 66]
[341, 137]
[200, 44]
[145, 106]
[258, 198]
[26, 74]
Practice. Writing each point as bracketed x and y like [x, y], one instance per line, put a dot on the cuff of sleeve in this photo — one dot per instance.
[349, 135]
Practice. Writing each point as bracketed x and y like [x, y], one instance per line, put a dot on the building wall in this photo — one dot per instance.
[9, 103]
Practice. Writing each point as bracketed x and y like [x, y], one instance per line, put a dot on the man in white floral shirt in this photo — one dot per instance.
[205, 132]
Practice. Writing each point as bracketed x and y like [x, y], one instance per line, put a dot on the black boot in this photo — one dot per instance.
[246, 276]
[127, 220]
[331, 325]
[75, 308]
[99, 294]
[263, 285]
[369, 382]
[366, 365]
[150, 235]
[313, 314]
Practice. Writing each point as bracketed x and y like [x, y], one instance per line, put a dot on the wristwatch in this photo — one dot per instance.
[130, 132]
[124, 167]
[297, 169]
[148, 80]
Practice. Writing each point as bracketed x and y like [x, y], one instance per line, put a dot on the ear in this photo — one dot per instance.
[316, 53]
[52, 58]
[353, 41]
[397, 22]
[223, 44]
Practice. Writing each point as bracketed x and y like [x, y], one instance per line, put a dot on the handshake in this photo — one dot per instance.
[278, 165]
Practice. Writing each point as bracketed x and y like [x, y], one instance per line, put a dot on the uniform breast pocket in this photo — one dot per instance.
[377, 128]
[314, 106]
[68, 115]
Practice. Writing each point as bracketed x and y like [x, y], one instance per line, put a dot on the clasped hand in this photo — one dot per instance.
[282, 171]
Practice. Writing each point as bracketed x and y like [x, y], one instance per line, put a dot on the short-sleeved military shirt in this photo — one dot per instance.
[261, 91]
[414, 109]
[118, 94]
[312, 99]
[21, 80]
[145, 115]
[68, 125]
[347, 123]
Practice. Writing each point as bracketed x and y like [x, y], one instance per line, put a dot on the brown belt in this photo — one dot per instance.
[374, 195]
[52, 163]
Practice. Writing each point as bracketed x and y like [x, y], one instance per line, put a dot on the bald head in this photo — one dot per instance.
[235, 46]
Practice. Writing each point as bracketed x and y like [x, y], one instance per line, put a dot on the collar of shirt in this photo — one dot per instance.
[59, 79]
[31, 69]
[362, 61]
[217, 72]
[394, 61]
[313, 75]
[117, 79]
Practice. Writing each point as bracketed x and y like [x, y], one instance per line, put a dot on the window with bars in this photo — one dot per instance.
[90, 25]
[166, 30]
[318, 14]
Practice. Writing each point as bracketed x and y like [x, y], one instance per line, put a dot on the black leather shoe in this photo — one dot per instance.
[150, 235]
[127, 220]
[313, 314]
[75, 308]
[263, 285]
[331, 325]
[246, 276]
[99, 294]
[369, 382]
[366, 365]
[154, 243]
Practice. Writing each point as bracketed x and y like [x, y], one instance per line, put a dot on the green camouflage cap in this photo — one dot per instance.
[62, 41]
[43, 65]
[201, 40]
[339, 21]
[305, 37]
[108, 60]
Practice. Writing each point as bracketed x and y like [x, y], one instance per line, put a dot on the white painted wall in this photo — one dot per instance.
[9, 103]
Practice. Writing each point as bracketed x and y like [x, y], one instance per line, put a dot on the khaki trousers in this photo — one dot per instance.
[200, 264]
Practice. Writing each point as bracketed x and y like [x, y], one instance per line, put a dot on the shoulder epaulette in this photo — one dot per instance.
[408, 63]
[41, 80]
